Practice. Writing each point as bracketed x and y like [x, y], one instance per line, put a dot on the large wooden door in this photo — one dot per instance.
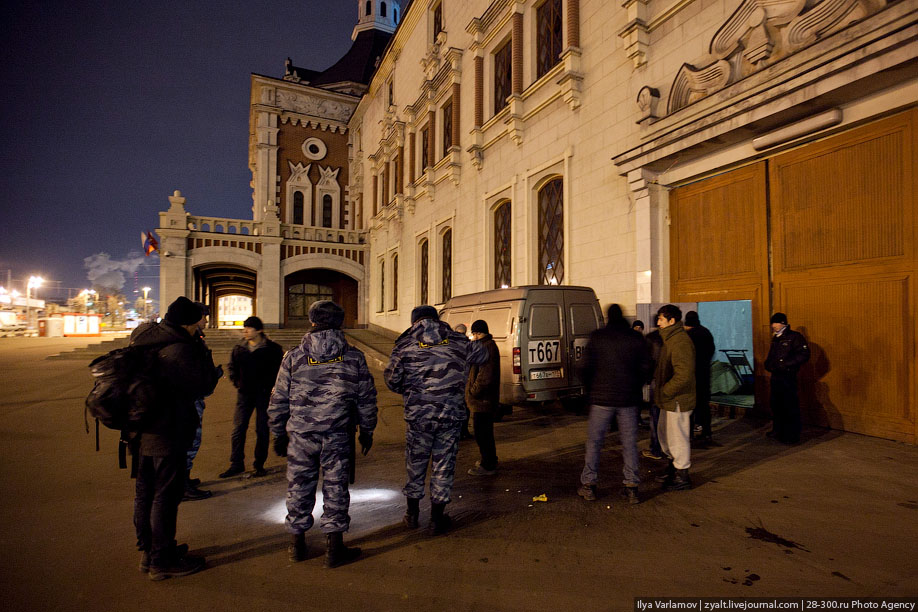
[844, 262]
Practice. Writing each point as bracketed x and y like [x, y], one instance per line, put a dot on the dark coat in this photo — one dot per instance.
[482, 393]
[255, 371]
[185, 372]
[674, 379]
[704, 353]
[616, 365]
[788, 352]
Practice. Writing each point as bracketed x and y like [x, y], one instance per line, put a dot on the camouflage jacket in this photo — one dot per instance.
[429, 366]
[322, 384]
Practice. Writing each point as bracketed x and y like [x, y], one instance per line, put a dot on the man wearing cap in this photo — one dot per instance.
[482, 396]
[787, 354]
[429, 367]
[323, 388]
[253, 369]
[184, 373]
[192, 491]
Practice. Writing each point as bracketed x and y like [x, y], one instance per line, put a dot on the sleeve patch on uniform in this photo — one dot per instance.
[440, 343]
[313, 362]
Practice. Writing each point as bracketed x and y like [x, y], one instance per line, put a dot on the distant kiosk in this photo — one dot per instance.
[82, 324]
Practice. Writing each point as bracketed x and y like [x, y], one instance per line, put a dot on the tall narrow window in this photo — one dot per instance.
[391, 96]
[551, 233]
[447, 265]
[502, 246]
[298, 208]
[447, 127]
[548, 51]
[326, 211]
[437, 21]
[395, 282]
[382, 9]
[395, 15]
[503, 74]
[425, 257]
[424, 148]
[382, 285]
[369, 7]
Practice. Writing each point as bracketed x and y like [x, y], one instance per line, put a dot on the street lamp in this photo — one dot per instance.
[34, 283]
[146, 290]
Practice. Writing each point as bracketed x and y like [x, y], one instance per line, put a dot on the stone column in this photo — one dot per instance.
[431, 139]
[516, 51]
[265, 179]
[455, 135]
[649, 225]
[400, 170]
[174, 267]
[479, 91]
[573, 23]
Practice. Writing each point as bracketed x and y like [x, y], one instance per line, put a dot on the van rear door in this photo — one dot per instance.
[583, 316]
[545, 352]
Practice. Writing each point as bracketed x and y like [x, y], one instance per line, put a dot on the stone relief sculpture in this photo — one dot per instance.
[329, 177]
[312, 105]
[299, 174]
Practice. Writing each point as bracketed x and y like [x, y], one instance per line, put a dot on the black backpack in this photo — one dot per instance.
[124, 394]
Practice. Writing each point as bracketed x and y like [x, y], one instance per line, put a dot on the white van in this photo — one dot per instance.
[540, 331]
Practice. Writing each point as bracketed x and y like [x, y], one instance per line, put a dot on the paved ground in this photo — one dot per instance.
[834, 516]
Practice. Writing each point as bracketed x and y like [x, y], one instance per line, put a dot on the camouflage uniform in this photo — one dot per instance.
[429, 366]
[318, 384]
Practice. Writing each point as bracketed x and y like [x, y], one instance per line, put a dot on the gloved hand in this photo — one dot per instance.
[280, 445]
[366, 442]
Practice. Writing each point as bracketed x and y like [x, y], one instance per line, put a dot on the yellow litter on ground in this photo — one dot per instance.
[542, 498]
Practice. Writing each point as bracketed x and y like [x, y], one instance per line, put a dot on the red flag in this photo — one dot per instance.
[149, 243]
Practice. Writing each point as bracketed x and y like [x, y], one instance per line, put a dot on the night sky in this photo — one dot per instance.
[108, 107]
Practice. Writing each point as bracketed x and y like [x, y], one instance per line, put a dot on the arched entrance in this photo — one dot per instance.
[303, 288]
[223, 280]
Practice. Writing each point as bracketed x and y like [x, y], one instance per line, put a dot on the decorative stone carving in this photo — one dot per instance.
[692, 83]
[299, 174]
[826, 16]
[329, 177]
[314, 149]
[313, 105]
[647, 100]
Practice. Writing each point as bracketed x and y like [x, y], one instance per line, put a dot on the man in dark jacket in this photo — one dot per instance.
[185, 372]
[616, 364]
[253, 369]
[704, 353]
[429, 367]
[482, 396]
[788, 352]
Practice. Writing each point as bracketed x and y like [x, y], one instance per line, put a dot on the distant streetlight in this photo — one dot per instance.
[34, 283]
[146, 290]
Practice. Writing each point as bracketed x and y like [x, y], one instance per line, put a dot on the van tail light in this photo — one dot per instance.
[516, 360]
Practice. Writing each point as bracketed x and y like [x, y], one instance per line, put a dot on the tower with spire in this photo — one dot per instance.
[382, 15]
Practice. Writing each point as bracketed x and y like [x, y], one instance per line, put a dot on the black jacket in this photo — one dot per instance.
[616, 365]
[788, 352]
[482, 393]
[184, 372]
[704, 353]
[255, 371]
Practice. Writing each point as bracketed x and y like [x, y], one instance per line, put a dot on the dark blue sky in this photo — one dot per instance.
[110, 106]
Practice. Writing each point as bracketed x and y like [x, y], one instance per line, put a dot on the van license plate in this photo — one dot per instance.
[544, 374]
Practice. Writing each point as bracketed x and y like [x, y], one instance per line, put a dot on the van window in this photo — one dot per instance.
[544, 321]
[498, 320]
[583, 319]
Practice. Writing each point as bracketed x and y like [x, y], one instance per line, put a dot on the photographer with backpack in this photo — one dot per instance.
[182, 372]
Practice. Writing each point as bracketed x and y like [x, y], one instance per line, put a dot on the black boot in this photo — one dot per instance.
[631, 494]
[439, 522]
[668, 474]
[680, 482]
[336, 553]
[296, 550]
[411, 515]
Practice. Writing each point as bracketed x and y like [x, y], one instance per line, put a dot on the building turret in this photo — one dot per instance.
[383, 15]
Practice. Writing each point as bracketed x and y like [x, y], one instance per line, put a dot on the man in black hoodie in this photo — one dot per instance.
[616, 365]
[184, 372]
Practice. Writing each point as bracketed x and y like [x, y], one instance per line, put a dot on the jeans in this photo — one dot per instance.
[598, 425]
[483, 422]
[158, 492]
[246, 403]
[196, 443]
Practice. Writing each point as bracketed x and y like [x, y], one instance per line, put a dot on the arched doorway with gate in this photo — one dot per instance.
[303, 288]
[229, 290]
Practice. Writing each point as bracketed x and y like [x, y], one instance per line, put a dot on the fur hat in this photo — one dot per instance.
[255, 323]
[424, 312]
[183, 312]
[325, 314]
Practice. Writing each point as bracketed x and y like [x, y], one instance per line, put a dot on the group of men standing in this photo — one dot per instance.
[320, 394]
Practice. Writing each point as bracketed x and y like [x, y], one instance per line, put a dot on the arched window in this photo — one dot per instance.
[502, 246]
[298, 208]
[447, 289]
[424, 260]
[382, 9]
[326, 211]
[369, 7]
[551, 233]
[395, 282]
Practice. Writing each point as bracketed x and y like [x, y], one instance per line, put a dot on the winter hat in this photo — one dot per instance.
[691, 319]
[480, 327]
[325, 314]
[638, 323]
[254, 322]
[779, 317]
[461, 328]
[424, 312]
[204, 308]
[183, 312]
[614, 316]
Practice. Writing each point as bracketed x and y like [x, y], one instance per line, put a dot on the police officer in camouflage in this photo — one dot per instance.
[429, 367]
[323, 386]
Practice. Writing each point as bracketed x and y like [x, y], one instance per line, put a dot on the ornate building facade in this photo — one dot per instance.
[655, 150]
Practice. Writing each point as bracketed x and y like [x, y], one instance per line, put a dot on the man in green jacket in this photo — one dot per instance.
[674, 381]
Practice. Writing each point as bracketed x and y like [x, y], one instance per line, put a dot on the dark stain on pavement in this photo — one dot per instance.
[760, 533]
[484, 559]
[909, 504]
[750, 579]
[842, 576]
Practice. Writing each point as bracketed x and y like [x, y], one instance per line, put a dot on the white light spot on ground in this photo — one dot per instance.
[278, 512]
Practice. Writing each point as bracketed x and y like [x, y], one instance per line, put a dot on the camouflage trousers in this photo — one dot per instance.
[306, 453]
[436, 442]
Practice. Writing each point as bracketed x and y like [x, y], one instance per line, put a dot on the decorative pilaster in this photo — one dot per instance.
[479, 91]
[573, 23]
[516, 53]
[636, 33]
[454, 140]
[648, 224]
